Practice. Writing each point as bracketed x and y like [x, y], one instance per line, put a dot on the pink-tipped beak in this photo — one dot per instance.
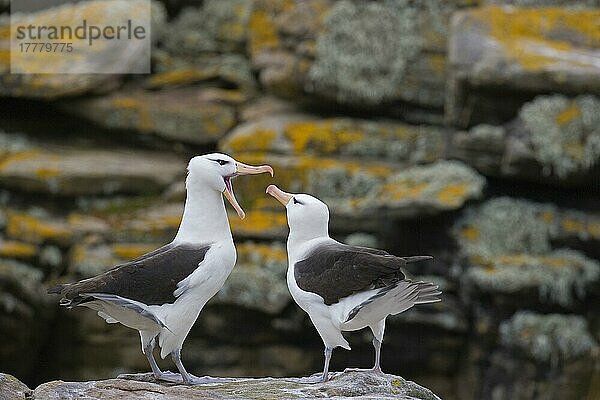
[279, 195]
[242, 169]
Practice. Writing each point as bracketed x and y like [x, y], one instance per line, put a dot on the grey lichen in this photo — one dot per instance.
[564, 133]
[364, 51]
[505, 225]
[13, 143]
[217, 26]
[339, 183]
[487, 132]
[362, 239]
[258, 281]
[560, 277]
[548, 3]
[551, 338]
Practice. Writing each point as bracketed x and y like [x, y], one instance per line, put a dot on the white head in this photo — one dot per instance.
[308, 217]
[215, 171]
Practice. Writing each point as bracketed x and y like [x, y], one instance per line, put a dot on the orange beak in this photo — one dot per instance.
[242, 169]
[279, 195]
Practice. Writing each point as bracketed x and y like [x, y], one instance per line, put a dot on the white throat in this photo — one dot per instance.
[204, 217]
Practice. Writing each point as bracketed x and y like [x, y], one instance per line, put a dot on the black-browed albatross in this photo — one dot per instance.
[342, 287]
[162, 293]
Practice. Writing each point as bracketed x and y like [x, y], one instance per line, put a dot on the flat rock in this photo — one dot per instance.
[302, 134]
[346, 385]
[538, 50]
[73, 172]
[111, 56]
[178, 114]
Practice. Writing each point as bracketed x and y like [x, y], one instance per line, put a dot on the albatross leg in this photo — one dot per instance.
[377, 339]
[158, 374]
[318, 378]
[190, 379]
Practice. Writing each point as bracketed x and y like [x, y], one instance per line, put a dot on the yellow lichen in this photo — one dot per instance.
[128, 251]
[16, 157]
[594, 229]
[406, 190]
[453, 194]
[257, 140]
[470, 233]
[320, 135]
[13, 249]
[47, 172]
[262, 32]
[246, 251]
[571, 225]
[569, 114]
[257, 222]
[547, 217]
[528, 34]
[183, 76]
[31, 229]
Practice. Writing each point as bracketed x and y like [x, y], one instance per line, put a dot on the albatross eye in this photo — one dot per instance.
[297, 201]
[222, 162]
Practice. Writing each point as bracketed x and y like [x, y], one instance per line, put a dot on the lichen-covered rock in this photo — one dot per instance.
[367, 189]
[179, 114]
[258, 280]
[508, 243]
[13, 389]
[324, 49]
[561, 277]
[552, 338]
[35, 226]
[217, 26]
[87, 260]
[228, 70]
[111, 56]
[547, 3]
[564, 133]
[505, 225]
[555, 139]
[73, 171]
[299, 134]
[347, 385]
[530, 49]
[348, 67]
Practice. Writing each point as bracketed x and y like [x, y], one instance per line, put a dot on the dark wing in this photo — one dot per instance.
[334, 271]
[150, 279]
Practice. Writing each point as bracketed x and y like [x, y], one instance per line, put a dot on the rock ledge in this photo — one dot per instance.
[355, 385]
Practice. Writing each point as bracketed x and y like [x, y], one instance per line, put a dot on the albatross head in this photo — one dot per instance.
[308, 217]
[216, 171]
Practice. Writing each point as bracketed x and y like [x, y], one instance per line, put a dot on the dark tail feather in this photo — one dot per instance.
[416, 258]
[56, 289]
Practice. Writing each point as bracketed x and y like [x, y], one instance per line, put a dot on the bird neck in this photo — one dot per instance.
[298, 242]
[204, 218]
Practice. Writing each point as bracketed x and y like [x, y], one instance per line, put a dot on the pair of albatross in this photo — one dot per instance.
[161, 294]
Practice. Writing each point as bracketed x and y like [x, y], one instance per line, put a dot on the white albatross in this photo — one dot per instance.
[342, 287]
[162, 293]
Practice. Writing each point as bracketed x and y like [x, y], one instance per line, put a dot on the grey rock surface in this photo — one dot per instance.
[353, 385]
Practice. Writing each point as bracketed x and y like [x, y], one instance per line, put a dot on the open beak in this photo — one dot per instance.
[242, 169]
[280, 195]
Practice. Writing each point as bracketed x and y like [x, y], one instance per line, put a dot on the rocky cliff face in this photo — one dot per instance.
[465, 129]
